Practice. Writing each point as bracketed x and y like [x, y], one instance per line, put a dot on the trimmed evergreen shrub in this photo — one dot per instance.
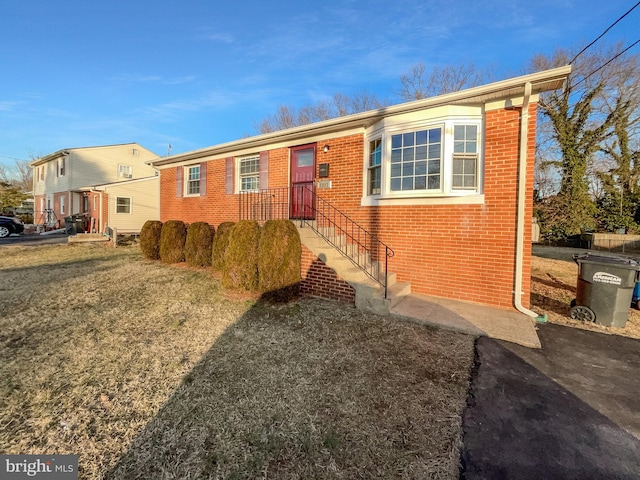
[197, 247]
[240, 270]
[279, 260]
[220, 243]
[150, 239]
[172, 239]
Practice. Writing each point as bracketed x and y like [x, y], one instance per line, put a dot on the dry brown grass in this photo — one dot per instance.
[553, 286]
[147, 371]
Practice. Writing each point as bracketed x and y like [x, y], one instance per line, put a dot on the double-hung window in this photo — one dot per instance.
[249, 172]
[193, 180]
[465, 157]
[123, 204]
[375, 166]
[125, 171]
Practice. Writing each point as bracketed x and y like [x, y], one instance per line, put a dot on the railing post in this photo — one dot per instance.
[386, 260]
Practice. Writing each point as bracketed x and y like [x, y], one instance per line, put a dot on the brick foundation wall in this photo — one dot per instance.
[318, 280]
[463, 252]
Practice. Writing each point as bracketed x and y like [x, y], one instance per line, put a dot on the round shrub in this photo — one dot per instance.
[220, 243]
[279, 260]
[197, 247]
[150, 239]
[240, 270]
[172, 239]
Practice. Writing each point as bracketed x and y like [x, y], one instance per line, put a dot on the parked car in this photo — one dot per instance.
[9, 225]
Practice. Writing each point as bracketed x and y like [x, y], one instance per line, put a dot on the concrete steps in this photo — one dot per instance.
[369, 294]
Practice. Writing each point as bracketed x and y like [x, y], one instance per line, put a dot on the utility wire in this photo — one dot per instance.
[604, 33]
[12, 158]
[606, 63]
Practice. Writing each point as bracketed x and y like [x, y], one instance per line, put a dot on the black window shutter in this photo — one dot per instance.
[203, 179]
[179, 182]
[264, 170]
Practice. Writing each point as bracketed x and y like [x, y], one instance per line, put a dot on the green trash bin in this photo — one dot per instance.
[605, 288]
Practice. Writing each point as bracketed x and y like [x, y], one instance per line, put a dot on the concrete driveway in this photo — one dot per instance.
[570, 410]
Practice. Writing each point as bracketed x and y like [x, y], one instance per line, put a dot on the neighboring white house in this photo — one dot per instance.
[60, 179]
[125, 205]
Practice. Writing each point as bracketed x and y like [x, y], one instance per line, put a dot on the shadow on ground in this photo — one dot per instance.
[569, 410]
[339, 394]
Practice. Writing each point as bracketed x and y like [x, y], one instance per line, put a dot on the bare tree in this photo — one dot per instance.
[584, 129]
[24, 175]
[5, 177]
[338, 106]
[420, 82]
[20, 176]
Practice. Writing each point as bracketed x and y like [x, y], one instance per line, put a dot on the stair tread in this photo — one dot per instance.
[369, 293]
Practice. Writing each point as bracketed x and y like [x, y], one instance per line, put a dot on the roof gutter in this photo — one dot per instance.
[522, 198]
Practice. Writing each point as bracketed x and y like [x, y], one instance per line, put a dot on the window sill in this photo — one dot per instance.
[472, 199]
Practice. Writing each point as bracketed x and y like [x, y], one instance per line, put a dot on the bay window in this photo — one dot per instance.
[439, 159]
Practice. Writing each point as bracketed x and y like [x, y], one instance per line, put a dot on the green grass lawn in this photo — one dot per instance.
[151, 371]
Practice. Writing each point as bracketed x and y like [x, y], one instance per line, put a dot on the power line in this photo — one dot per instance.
[606, 63]
[604, 33]
[12, 158]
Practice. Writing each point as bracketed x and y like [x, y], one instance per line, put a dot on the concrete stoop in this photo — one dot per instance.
[87, 237]
[369, 294]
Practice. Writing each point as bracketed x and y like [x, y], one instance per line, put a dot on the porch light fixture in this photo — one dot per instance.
[326, 148]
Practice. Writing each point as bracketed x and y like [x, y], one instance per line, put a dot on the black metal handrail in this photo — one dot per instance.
[301, 203]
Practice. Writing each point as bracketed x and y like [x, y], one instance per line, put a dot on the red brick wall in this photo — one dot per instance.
[465, 252]
[319, 280]
[216, 206]
[37, 208]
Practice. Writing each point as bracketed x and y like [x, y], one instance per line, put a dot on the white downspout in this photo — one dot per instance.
[522, 197]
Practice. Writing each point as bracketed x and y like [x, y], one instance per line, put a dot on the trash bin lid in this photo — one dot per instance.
[607, 260]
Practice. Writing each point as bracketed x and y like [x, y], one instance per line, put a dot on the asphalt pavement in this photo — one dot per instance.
[34, 240]
[569, 410]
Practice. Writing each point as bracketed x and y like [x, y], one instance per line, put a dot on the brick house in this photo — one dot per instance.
[432, 196]
[63, 181]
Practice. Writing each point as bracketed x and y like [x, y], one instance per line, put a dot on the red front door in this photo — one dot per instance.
[303, 168]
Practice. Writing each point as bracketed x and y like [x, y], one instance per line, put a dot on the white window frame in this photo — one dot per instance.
[374, 164]
[63, 209]
[464, 156]
[446, 193]
[125, 171]
[190, 181]
[62, 166]
[244, 176]
[129, 206]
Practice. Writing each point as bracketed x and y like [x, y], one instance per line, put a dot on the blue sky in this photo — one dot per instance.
[194, 73]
